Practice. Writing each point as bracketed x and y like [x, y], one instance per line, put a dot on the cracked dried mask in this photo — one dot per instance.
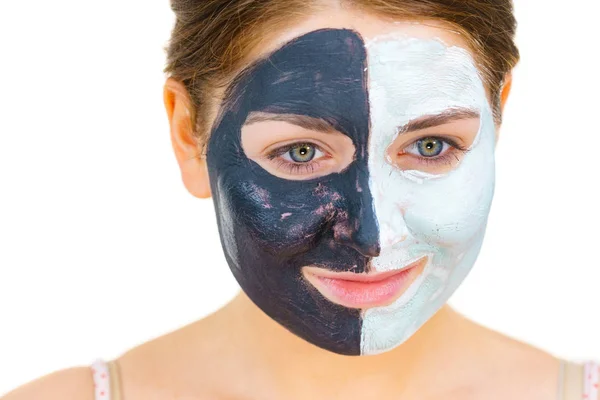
[374, 214]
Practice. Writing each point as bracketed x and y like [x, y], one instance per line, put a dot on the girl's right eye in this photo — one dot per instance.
[298, 158]
[302, 153]
[285, 147]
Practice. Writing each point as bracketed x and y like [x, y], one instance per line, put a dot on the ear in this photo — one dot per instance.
[505, 90]
[194, 172]
[504, 93]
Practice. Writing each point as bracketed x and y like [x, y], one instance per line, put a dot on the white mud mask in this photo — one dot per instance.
[443, 216]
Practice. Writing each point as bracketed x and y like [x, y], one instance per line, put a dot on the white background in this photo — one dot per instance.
[101, 247]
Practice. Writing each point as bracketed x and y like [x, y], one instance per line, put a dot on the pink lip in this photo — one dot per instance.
[363, 290]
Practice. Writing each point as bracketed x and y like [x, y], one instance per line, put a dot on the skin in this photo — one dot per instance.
[240, 353]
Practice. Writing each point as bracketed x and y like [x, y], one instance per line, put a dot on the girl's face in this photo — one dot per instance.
[352, 170]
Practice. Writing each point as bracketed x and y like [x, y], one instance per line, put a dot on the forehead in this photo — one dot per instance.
[367, 26]
[415, 70]
[410, 77]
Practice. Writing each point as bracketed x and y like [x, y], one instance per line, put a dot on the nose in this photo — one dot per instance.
[357, 226]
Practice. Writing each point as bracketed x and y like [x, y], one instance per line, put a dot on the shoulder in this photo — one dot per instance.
[192, 362]
[72, 383]
[503, 367]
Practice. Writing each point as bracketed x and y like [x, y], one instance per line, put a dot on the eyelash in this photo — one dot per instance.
[444, 159]
[296, 168]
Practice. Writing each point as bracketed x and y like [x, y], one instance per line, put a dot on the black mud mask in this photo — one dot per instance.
[271, 227]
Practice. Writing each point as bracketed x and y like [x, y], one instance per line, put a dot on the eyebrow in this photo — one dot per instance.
[321, 125]
[303, 121]
[430, 121]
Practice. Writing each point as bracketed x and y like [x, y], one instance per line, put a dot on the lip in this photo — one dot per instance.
[364, 290]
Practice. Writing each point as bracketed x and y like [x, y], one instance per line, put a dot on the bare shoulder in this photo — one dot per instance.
[196, 361]
[506, 368]
[72, 383]
[176, 365]
[180, 364]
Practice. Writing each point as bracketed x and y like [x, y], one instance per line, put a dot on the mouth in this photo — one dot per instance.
[364, 290]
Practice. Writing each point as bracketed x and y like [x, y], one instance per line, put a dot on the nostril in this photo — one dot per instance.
[373, 251]
[362, 240]
[366, 249]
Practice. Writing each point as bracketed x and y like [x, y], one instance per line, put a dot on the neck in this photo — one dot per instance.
[284, 356]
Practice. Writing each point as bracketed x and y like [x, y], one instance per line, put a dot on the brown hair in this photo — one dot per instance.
[212, 38]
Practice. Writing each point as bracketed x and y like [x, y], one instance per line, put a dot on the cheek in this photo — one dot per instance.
[446, 211]
[449, 218]
[452, 211]
[280, 216]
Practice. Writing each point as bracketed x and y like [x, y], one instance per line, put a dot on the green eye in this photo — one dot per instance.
[302, 153]
[430, 147]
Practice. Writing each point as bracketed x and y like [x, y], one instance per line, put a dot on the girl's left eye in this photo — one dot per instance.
[429, 147]
[432, 154]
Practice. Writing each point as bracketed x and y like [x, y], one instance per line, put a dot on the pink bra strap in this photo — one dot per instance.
[101, 376]
[107, 384]
[591, 379]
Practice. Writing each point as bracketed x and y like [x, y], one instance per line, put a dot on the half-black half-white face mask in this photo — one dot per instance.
[372, 215]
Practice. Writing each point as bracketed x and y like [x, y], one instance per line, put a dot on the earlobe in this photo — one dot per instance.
[194, 171]
[195, 178]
